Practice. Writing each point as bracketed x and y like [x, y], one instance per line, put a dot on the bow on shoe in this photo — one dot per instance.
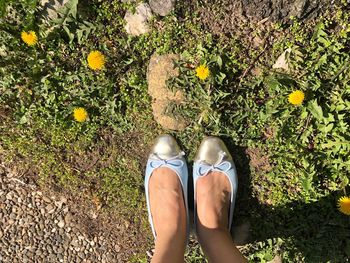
[220, 165]
[175, 161]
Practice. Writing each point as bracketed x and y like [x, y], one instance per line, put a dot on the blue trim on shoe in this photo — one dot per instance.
[228, 168]
[179, 166]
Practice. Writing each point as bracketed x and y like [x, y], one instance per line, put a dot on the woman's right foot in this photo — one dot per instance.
[215, 181]
[213, 193]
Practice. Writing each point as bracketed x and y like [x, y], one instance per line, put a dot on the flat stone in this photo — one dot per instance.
[137, 23]
[162, 7]
[161, 69]
[298, 8]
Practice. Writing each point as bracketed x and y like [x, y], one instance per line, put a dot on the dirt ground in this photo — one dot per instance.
[226, 16]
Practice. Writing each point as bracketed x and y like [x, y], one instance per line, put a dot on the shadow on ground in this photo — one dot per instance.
[315, 229]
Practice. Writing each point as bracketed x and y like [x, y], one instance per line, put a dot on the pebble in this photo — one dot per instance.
[68, 218]
[50, 208]
[117, 248]
[60, 224]
[46, 199]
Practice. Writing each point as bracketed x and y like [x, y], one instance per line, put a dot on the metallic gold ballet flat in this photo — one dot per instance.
[167, 153]
[213, 155]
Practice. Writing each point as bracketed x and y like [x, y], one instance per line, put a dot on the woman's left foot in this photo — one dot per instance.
[213, 199]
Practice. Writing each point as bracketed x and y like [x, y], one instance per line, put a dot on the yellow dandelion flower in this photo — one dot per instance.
[202, 72]
[96, 60]
[296, 97]
[344, 205]
[80, 114]
[30, 38]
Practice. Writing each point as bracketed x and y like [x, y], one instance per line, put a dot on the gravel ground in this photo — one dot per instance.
[39, 228]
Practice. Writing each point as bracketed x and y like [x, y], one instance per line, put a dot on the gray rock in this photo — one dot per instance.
[298, 8]
[137, 23]
[162, 7]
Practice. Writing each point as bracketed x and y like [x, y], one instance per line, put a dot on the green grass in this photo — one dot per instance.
[293, 161]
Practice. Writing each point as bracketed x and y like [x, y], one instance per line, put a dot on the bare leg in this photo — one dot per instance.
[213, 195]
[169, 216]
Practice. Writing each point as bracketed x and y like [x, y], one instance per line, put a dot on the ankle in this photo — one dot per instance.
[170, 219]
[170, 229]
[210, 238]
[204, 232]
[211, 219]
[169, 248]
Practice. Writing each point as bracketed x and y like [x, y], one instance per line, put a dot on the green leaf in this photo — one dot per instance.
[69, 33]
[272, 83]
[329, 127]
[220, 77]
[304, 114]
[66, 13]
[23, 119]
[315, 110]
[268, 256]
[219, 61]
[344, 184]
[319, 31]
[84, 30]
[306, 183]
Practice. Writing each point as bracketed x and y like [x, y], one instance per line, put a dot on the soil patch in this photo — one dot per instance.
[250, 20]
[258, 160]
[227, 16]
